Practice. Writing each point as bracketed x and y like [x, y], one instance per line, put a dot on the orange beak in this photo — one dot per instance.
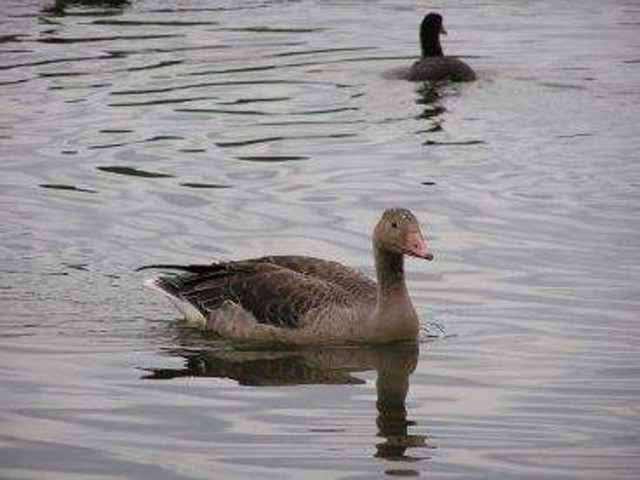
[416, 246]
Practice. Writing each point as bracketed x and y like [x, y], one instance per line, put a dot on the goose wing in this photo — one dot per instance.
[273, 294]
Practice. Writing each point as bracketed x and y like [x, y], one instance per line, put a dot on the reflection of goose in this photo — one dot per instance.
[434, 66]
[296, 299]
[393, 364]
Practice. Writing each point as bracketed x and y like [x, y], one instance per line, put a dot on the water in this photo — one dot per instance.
[199, 130]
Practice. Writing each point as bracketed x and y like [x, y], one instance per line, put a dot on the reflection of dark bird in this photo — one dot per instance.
[434, 66]
[393, 364]
[306, 300]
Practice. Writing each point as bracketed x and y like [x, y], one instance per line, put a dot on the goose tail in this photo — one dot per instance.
[170, 288]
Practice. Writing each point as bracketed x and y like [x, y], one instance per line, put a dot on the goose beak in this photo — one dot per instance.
[416, 246]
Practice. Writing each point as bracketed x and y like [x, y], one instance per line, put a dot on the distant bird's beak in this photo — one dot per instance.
[416, 246]
[442, 30]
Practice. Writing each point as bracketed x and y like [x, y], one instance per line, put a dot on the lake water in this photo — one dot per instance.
[193, 131]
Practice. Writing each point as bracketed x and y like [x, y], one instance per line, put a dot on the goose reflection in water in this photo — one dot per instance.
[335, 366]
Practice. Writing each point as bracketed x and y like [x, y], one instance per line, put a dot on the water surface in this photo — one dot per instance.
[163, 132]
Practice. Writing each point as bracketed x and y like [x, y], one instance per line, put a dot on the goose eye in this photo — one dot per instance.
[394, 225]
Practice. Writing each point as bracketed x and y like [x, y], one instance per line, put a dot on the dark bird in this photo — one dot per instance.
[434, 66]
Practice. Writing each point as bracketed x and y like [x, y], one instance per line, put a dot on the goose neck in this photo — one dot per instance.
[390, 275]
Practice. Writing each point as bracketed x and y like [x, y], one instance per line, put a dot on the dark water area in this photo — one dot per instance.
[148, 132]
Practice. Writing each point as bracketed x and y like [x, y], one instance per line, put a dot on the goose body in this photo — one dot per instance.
[434, 66]
[303, 300]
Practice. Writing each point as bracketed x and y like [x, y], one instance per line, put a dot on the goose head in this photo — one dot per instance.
[398, 232]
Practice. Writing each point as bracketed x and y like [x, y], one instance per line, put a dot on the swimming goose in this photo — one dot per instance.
[305, 300]
[434, 66]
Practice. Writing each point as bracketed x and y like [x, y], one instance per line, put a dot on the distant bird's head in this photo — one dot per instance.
[430, 30]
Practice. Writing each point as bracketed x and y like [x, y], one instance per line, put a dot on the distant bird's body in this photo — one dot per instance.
[437, 69]
[302, 300]
[433, 66]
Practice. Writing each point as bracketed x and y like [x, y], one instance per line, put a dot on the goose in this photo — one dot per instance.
[434, 66]
[294, 299]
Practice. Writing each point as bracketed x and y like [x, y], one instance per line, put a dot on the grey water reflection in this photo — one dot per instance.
[393, 365]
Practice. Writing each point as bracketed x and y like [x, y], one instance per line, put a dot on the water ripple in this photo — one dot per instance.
[188, 132]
